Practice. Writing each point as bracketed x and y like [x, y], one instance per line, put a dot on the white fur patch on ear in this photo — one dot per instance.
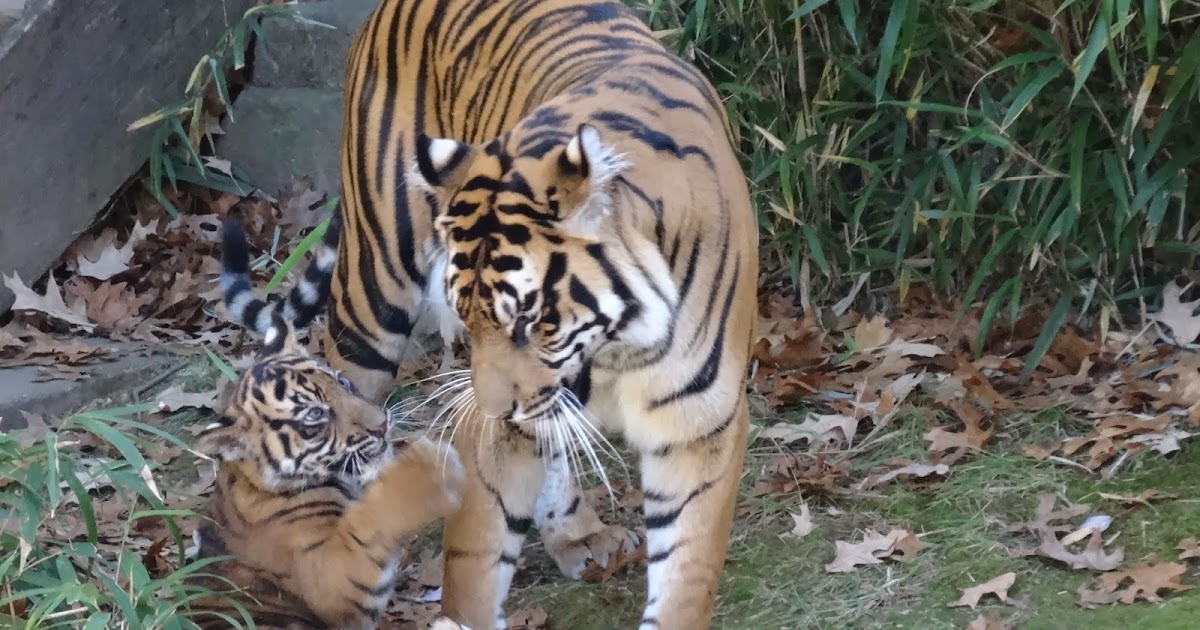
[574, 153]
[603, 162]
[271, 335]
[215, 425]
[442, 152]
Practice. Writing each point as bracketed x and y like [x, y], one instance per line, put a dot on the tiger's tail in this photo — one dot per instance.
[302, 303]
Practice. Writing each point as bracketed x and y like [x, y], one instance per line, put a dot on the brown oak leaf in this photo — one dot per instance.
[1092, 557]
[1188, 548]
[997, 586]
[900, 544]
[533, 618]
[1144, 581]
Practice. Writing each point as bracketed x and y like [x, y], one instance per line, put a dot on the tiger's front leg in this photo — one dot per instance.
[482, 540]
[570, 527]
[690, 490]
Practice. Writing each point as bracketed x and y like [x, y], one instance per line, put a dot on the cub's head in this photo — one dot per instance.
[292, 417]
[543, 262]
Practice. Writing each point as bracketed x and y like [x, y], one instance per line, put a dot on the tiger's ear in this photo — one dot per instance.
[221, 440]
[441, 163]
[586, 169]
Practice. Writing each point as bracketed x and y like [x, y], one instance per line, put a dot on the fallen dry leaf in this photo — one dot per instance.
[111, 262]
[850, 556]
[991, 622]
[974, 437]
[174, 399]
[1144, 581]
[51, 303]
[818, 429]
[1188, 548]
[872, 333]
[1045, 516]
[874, 548]
[997, 586]
[1092, 557]
[803, 524]
[617, 562]
[790, 472]
[1145, 497]
[906, 544]
[112, 306]
[533, 618]
[153, 560]
[1177, 316]
[910, 470]
[34, 431]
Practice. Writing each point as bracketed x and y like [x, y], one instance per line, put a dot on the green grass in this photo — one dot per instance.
[999, 151]
[774, 581]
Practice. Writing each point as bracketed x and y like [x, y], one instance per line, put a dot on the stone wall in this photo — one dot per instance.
[73, 75]
[288, 121]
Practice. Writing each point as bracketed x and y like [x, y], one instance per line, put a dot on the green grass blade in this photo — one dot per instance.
[989, 313]
[887, 45]
[297, 255]
[1049, 332]
[806, 8]
[84, 498]
[1029, 91]
[1075, 173]
[849, 12]
[1150, 34]
[1087, 59]
[226, 369]
[814, 248]
[986, 266]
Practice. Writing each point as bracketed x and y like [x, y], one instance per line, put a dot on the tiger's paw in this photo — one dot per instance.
[446, 623]
[572, 555]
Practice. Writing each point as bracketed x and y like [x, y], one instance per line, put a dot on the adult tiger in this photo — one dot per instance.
[314, 501]
[545, 176]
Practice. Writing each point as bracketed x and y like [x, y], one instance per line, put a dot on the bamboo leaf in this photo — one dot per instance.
[1049, 332]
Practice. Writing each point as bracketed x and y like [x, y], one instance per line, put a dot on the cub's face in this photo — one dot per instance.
[300, 424]
[538, 269]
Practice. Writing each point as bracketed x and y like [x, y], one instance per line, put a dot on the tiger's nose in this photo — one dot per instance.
[495, 395]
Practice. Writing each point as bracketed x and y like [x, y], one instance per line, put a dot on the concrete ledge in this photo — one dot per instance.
[130, 370]
[72, 77]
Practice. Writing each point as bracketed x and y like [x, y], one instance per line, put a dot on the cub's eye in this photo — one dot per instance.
[314, 415]
[346, 384]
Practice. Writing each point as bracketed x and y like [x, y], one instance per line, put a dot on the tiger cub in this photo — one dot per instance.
[314, 500]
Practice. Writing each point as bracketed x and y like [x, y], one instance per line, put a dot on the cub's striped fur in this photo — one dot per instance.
[313, 500]
[544, 178]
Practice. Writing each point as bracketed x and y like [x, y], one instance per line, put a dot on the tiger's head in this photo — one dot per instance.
[295, 421]
[545, 271]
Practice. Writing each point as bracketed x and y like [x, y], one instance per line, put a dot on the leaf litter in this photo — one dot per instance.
[150, 282]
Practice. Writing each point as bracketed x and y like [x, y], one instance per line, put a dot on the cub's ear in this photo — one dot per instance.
[221, 440]
[441, 163]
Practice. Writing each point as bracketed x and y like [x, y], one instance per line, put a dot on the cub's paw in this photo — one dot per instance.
[440, 463]
[572, 555]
